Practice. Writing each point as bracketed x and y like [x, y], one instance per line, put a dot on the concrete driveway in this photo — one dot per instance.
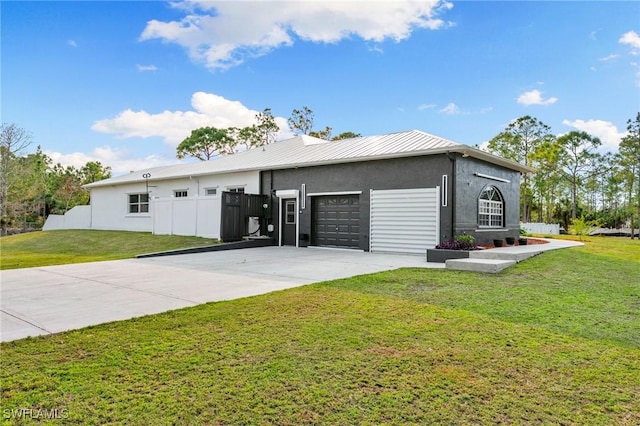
[53, 299]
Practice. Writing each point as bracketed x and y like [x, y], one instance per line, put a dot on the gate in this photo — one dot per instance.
[237, 208]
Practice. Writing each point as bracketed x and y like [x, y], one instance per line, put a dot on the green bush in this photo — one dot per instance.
[581, 227]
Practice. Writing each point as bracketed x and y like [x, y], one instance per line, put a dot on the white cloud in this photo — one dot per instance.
[606, 131]
[222, 34]
[120, 160]
[609, 57]
[143, 68]
[632, 39]
[422, 107]
[173, 126]
[534, 97]
[451, 109]
[72, 43]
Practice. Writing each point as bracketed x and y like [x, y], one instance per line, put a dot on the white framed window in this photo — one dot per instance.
[290, 211]
[179, 193]
[210, 191]
[490, 208]
[239, 189]
[138, 203]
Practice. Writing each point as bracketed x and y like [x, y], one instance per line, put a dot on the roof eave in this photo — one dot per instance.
[468, 151]
[461, 149]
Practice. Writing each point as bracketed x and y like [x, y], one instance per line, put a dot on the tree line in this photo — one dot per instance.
[572, 179]
[32, 186]
[206, 143]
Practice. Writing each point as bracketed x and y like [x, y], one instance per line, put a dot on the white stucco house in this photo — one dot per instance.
[182, 199]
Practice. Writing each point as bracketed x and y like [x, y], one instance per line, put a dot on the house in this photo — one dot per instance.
[399, 192]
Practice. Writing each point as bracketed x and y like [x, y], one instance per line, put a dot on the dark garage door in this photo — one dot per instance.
[336, 221]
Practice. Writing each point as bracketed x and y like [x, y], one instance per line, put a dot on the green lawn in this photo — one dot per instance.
[63, 247]
[553, 340]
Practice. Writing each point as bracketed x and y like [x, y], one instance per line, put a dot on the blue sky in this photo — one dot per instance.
[123, 82]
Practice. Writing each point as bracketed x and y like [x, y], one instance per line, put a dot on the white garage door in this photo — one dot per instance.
[405, 220]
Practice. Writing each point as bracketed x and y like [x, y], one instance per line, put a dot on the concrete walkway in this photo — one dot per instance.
[497, 259]
[52, 299]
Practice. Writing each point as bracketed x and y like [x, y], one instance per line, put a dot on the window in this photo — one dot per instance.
[180, 193]
[239, 189]
[139, 203]
[290, 207]
[211, 191]
[490, 208]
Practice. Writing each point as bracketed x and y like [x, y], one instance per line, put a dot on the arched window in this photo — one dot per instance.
[490, 208]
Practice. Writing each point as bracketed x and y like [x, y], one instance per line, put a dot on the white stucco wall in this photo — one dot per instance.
[196, 214]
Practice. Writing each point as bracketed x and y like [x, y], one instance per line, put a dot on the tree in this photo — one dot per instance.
[578, 157]
[13, 140]
[29, 184]
[67, 191]
[518, 142]
[301, 121]
[322, 134]
[547, 180]
[346, 135]
[94, 171]
[630, 158]
[205, 143]
[262, 133]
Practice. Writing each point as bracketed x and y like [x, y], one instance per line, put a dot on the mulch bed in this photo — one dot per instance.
[530, 242]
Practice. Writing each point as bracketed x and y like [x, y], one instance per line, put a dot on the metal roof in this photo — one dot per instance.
[304, 151]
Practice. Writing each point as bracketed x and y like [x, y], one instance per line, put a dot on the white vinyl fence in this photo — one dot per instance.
[78, 217]
[541, 228]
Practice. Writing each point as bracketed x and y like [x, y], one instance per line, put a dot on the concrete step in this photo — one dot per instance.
[491, 266]
[507, 254]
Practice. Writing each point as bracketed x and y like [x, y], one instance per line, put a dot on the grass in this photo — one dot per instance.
[64, 247]
[553, 340]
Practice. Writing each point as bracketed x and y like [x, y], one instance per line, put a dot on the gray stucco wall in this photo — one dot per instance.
[404, 173]
[468, 189]
[401, 173]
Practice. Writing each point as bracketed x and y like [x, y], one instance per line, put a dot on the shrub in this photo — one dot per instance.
[459, 242]
[582, 227]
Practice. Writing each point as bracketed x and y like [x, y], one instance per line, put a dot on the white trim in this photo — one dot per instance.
[482, 175]
[438, 232]
[444, 197]
[283, 195]
[303, 196]
[319, 194]
[370, 226]
[287, 193]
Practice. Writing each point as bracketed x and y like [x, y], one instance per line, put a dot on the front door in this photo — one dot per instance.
[289, 218]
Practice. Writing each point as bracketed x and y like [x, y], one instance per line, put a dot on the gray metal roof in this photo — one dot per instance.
[303, 151]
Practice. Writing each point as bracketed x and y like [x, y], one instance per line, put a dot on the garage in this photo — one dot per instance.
[405, 220]
[336, 221]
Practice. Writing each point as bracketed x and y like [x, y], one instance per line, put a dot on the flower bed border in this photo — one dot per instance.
[441, 255]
